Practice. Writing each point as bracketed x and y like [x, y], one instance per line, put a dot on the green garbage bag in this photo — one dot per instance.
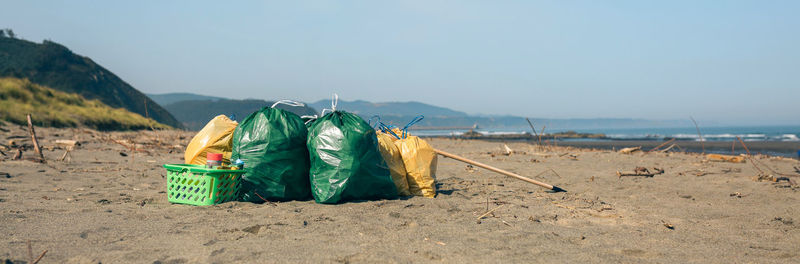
[346, 163]
[272, 144]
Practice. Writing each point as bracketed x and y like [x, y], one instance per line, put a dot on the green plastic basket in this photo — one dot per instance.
[198, 185]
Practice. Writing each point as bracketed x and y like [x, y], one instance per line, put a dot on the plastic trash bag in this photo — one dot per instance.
[420, 162]
[272, 144]
[346, 163]
[419, 158]
[394, 161]
[215, 137]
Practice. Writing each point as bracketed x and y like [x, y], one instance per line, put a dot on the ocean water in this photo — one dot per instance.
[753, 133]
[746, 133]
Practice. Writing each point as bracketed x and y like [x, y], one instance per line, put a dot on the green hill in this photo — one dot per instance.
[53, 65]
[196, 113]
[169, 98]
[50, 107]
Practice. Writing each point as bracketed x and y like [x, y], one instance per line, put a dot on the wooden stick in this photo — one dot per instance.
[462, 159]
[703, 145]
[36, 146]
[489, 212]
[659, 146]
[30, 251]
[750, 157]
[534, 132]
[668, 148]
[39, 258]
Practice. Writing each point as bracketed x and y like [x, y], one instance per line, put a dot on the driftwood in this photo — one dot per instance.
[641, 171]
[659, 146]
[702, 144]
[668, 148]
[18, 156]
[725, 158]
[630, 150]
[68, 145]
[30, 254]
[36, 146]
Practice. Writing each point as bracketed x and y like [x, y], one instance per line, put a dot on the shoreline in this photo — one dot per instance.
[772, 148]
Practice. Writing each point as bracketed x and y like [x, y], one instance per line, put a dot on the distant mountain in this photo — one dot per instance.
[53, 65]
[169, 98]
[196, 113]
[368, 109]
[52, 108]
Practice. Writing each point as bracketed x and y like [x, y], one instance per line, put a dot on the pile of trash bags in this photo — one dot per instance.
[333, 158]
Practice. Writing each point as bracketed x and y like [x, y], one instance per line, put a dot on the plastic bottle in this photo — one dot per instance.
[213, 160]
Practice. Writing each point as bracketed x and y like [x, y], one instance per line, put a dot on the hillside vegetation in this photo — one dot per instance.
[53, 108]
[53, 65]
[196, 113]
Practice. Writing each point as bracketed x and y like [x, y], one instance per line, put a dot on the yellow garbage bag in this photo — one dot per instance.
[393, 159]
[420, 160]
[215, 137]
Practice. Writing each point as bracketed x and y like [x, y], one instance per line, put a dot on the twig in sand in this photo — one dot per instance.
[541, 134]
[668, 148]
[750, 157]
[18, 156]
[36, 146]
[549, 169]
[30, 251]
[630, 150]
[703, 145]
[659, 146]
[489, 212]
[30, 254]
[35, 261]
[641, 171]
[534, 132]
[797, 170]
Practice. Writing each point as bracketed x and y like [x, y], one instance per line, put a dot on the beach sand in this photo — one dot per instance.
[104, 207]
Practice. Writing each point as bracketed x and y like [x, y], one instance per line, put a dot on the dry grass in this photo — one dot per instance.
[54, 108]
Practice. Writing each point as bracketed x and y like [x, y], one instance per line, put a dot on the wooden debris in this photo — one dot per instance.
[668, 225]
[489, 212]
[18, 156]
[725, 158]
[36, 146]
[668, 148]
[470, 168]
[66, 143]
[30, 254]
[508, 150]
[641, 171]
[738, 195]
[659, 146]
[769, 177]
[630, 150]
[702, 141]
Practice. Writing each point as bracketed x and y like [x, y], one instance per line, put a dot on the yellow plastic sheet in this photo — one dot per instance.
[420, 160]
[215, 137]
[394, 160]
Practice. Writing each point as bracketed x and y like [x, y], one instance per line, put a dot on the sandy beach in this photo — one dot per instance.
[107, 203]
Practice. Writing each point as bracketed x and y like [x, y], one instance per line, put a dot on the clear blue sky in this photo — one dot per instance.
[731, 62]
